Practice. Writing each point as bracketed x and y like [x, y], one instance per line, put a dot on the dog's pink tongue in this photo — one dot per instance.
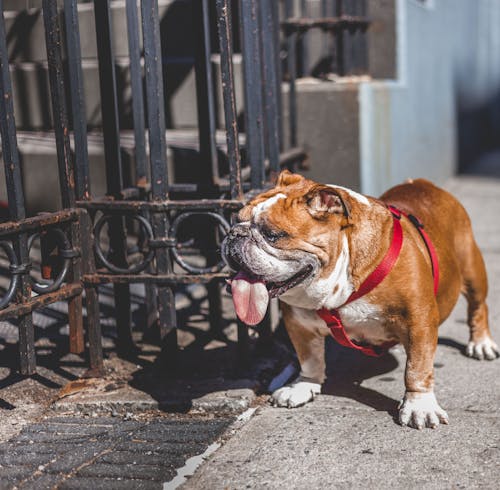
[250, 298]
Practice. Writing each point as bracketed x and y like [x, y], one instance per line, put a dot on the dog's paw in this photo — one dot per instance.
[295, 394]
[485, 348]
[420, 410]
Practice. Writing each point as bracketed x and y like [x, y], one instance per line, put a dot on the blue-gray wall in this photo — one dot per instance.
[448, 55]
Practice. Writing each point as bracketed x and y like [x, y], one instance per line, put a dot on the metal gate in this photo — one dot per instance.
[137, 232]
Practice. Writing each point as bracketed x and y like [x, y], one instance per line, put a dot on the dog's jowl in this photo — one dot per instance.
[370, 272]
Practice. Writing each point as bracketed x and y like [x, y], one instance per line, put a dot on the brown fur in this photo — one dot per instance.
[411, 311]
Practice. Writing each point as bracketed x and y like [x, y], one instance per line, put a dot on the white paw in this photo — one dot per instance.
[484, 349]
[295, 394]
[419, 410]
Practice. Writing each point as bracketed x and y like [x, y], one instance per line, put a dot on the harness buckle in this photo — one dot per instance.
[415, 221]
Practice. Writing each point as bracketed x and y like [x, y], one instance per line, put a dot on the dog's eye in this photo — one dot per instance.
[272, 235]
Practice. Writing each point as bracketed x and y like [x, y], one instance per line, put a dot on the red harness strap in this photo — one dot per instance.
[428, 243]
[332, 317]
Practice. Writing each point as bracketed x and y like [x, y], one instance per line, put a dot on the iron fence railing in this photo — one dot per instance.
[142, 230]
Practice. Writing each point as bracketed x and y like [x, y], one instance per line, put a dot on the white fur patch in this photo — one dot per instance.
[319, 293]
[420, 410]
[295, 394]
[265, 205]
[484, 349]
[364, 322]
[310, 320]
[355, 195]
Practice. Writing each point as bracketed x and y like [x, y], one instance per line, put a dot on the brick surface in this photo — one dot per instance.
[129, 457]
[159, 447]
[42, 482]
[109, 484]
[127, 471]
[67, 462]
[78, 452]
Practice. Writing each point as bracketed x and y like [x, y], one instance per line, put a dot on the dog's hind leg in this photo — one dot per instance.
[475, 288]
[307, 333]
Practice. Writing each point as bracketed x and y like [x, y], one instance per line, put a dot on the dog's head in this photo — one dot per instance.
[286, 238]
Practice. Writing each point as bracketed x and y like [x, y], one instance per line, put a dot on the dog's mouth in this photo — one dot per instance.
[251, 293]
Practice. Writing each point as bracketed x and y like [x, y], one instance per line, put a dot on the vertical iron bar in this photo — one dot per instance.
[141, 174]
[134, 49]
[360, 41]
[325, 35]
[16, 200]
[275, 16]
[64, 159]
[349, 42]
[292, 95]
[304, 41]
[205, 93]
[82, 188]
[291, 60]
[114, 174]
[159, 178]
[206, 133]
[92, 298]
[254, 123]
[79, 120]
[269, 53]
[58, 97]
[224, 20]
[340, 36]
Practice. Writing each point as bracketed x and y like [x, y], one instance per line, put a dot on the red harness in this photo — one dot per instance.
[332, 317]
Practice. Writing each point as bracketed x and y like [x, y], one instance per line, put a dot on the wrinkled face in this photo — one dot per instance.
[286, 237]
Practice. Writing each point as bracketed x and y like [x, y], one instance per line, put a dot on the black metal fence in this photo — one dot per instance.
[142, 230]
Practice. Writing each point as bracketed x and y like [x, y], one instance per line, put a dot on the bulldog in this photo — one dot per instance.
[365, 268]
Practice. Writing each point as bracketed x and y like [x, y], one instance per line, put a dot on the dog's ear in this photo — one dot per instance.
[323, 200]
[287, 178]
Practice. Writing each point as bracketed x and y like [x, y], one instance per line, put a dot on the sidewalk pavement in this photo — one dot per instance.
[348, 437]
[132, 430]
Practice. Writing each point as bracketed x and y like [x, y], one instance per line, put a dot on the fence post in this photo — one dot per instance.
[167, 322]
[64, 160]
[114, 173]
[16, 203]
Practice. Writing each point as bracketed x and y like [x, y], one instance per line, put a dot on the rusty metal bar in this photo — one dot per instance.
[159, 178]
[38, 222]
[58, 98]
[160, 279]
[65, 292]
[114, 173]
[160, 206]
[79, 116]
[16, 201]
[224, 21]
[94, 334]
[64, 159]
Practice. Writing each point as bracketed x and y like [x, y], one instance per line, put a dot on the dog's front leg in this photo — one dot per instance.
[419, 408]
[307, 332]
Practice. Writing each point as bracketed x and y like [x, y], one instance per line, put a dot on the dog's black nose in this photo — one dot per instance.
[231, 248]
[239, 231]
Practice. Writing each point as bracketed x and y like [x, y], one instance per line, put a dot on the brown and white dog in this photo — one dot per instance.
[312, 245]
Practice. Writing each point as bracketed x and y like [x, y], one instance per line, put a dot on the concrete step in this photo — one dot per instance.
[40, 173]
[31, 91]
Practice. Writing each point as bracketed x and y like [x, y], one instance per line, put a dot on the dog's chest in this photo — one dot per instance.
[364, 322]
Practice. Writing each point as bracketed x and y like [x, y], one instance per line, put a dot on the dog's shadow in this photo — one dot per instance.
[347, 369]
